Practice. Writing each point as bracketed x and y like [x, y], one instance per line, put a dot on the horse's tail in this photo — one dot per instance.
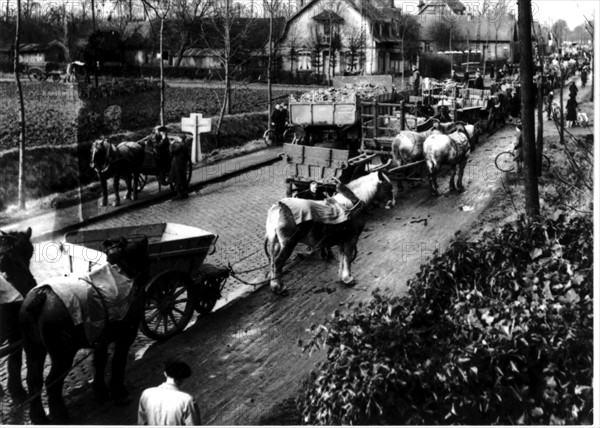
[34, 307]
[430, 165]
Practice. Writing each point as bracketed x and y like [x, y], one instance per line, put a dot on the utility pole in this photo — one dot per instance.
[532, 201]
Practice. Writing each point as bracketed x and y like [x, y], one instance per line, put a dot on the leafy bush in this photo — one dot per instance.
[498, 331]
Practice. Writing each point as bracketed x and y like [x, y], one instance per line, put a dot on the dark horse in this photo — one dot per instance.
[283, 233]
[124, 160]
[48, 329]
[16, 280]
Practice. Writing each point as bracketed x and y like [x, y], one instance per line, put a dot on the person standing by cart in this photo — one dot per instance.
[161, 154]
[416, 80]
[167, 404]
[180, 158]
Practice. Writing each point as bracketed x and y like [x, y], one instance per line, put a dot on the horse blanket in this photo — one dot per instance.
[329, 211]
[8, 293]
[109, 298]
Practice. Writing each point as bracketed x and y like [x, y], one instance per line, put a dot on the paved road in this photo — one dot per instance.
[245, 357]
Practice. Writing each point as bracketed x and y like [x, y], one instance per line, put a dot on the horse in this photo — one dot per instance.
[283, 232]
[48, 328]
[16, 280]
[452, 149]
[124, 160]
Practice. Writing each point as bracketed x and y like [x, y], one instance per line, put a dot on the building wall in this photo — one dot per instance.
[300, 29]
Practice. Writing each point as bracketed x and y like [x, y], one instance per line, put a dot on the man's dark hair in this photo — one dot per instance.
[177, 369]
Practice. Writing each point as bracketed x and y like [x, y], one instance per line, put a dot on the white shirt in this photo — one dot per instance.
[166, 404]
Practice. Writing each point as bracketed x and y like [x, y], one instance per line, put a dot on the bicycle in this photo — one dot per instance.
[271, 138]
[505, 161]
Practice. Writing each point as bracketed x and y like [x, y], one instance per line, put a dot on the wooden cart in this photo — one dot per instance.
[180, 282]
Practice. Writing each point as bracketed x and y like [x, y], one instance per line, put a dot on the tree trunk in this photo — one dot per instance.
[184, 44]
[162, 74]
[540, 127]
[21, 196]
[269, 65]
[95, 47]
[532, 203]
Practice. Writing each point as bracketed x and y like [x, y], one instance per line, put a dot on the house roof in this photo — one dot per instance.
[255, 34]
[139, 35]
[328, 15]
[455, 5]
[40, 47]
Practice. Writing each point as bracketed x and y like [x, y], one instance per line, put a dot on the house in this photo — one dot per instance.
[249, 41]
[42, 53]
[366, 35]
[447, 25]
[140, 43]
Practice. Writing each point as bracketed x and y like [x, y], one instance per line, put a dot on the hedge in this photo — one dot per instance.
[497, 331]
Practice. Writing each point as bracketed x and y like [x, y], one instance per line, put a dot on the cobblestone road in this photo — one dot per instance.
[245, 357]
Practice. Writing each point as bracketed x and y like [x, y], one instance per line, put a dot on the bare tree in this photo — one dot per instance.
[186, 15]
[498, 15]
[227, 36]
[355, 45]
[293, 45]
[161, 9]
[271, 7]
[21, 197]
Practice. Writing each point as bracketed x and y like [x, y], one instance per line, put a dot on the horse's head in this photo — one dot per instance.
[385, 192]
[131, 256]
[16, 251]
[100, 155]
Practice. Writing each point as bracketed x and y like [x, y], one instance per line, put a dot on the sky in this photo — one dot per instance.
[572, 11]
[545, 11]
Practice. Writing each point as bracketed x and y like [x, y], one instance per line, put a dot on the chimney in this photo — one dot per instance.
[392, 4]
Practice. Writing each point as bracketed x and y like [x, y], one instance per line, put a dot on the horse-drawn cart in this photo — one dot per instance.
[150, 165]
[179, 280]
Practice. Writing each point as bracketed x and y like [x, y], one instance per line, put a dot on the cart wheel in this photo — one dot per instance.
[56, 77]
[269, 137]
[289, 136]
[36, 74]
[168, 305]
[142, 180]
[211, 284]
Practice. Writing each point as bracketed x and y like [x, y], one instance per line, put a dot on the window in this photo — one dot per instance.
[303, 61]
[427, 47]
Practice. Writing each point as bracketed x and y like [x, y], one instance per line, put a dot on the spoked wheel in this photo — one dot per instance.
[36, 74]
[168, 305]
[211, 284]
[142, 180]
[289, 136]
[505, 161]
[269, 137]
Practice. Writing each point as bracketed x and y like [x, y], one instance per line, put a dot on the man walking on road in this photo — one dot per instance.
[166, 404]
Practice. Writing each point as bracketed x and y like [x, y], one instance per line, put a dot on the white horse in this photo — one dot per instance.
[452, 149]
[336, 221]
